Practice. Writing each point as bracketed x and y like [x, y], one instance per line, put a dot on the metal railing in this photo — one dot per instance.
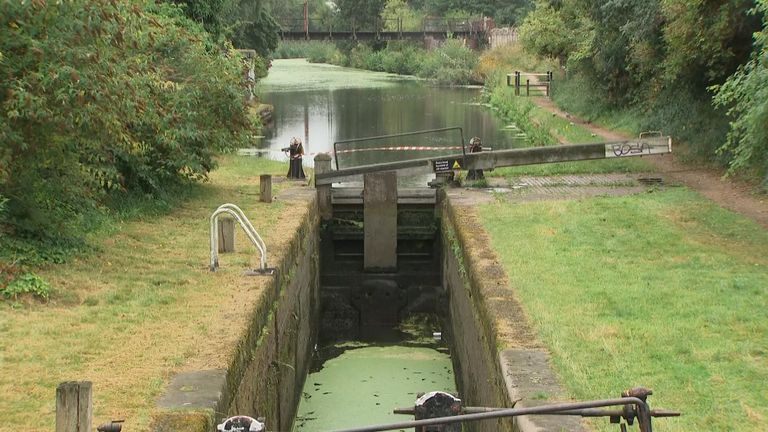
[299, 25]
[250, 231]
[634, 408]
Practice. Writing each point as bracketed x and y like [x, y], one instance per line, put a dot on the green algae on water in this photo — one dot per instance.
[300, 75]
[363, 385]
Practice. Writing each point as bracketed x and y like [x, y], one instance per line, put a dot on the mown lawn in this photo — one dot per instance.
[140, 308]
[663, 289]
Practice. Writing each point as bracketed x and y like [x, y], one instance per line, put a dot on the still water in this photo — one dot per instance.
[322, 104]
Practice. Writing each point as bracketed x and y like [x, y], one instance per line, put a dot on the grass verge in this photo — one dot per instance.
[664, 289]
[138, 309]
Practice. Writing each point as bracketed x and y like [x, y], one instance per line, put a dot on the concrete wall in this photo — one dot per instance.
[497, 358]
[269, 364]
[473, 348]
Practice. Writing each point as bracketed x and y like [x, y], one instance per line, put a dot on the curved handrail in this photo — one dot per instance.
[245, 223]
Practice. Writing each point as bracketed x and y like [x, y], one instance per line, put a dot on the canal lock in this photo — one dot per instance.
[380, 342]
[387, 336]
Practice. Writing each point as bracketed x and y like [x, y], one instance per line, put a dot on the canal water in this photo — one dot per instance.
[323, 104]
[365, 382]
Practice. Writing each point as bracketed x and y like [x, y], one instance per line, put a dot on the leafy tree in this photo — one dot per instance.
[102, 97]
[707, 40]
[399, 11]
[505, 12]
[557, 32]
[745, 93]
[249, 25]
[210, 13]
[364, 13]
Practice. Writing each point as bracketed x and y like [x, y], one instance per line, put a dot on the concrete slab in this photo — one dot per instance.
[528, 376]
[380, 226]
[194, 390]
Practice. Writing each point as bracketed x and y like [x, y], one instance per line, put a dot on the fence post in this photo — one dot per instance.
[527, 87]
[265, 188]
[74, 406]
[323, 165]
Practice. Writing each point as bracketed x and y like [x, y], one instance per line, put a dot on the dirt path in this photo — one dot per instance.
[728, 193]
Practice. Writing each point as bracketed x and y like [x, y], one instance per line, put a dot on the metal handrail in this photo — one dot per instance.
[643, 414]
[247, 226]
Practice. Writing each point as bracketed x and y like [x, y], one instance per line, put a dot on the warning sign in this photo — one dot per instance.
[446, 165]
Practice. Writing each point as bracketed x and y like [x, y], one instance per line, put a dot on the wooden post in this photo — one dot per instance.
[265, 188]
[323, 165]
[226, 234]
[74, 406]
[527, 87]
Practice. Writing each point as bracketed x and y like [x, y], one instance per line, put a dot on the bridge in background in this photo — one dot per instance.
[391, 29]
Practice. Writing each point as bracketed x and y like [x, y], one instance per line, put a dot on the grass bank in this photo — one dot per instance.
[663, 289]
[541, 127]
[139, 308]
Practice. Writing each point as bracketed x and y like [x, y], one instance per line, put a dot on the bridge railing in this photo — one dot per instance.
[428, 25]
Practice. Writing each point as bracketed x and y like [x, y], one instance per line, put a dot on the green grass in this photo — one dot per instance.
[663, 289]
[603, 166]
[139, 307]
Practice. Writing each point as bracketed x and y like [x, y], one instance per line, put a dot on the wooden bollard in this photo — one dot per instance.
[265, 186]
[74, 406]
[322, 166]
[226, 234]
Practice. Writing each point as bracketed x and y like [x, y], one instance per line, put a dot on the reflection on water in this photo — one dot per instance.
[323, 104]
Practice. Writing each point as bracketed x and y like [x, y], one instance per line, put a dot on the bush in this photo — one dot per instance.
[403, 59]
[745, 94]
[26, 284]
[106, 97]
[452, 63]
[313, 51]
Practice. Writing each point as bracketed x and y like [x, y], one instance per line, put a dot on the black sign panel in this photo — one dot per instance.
[446, 165]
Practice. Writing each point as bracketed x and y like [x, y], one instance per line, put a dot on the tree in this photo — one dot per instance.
[745, 94]
[104, 97]
[363, 13]
[250, 26]
[398, 12]
[706, 41]
[505, 12]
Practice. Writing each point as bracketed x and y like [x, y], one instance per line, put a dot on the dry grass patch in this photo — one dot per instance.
[142, 308]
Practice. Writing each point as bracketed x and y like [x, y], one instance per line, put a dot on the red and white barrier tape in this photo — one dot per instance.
[358, 150]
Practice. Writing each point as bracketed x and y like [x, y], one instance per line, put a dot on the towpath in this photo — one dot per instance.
[727, 192]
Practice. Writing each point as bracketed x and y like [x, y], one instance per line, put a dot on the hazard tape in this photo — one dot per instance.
[400, 148]
[360, 150]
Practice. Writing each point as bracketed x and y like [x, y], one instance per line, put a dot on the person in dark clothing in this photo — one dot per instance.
[475, 146]
[296, 151]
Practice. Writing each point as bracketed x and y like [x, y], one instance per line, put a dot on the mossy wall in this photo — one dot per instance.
[270, 362]
[473, 341]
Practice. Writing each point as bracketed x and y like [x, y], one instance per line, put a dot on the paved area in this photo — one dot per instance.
[531, 188]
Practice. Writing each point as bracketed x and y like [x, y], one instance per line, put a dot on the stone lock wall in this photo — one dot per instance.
[268, 366]
[498, 359]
